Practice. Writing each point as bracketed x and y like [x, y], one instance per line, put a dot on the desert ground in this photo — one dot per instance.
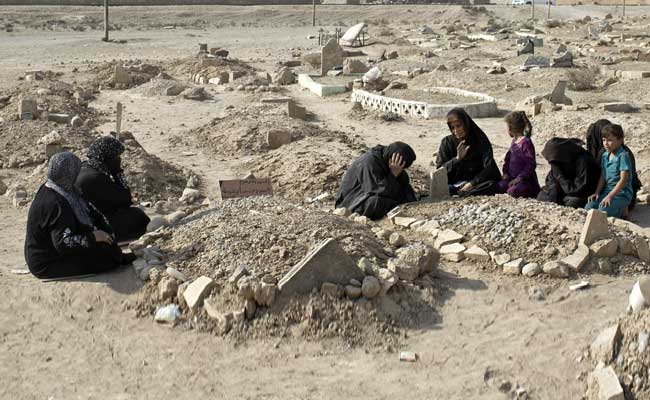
[479, 333]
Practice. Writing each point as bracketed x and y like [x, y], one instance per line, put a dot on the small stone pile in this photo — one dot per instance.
[119, 74]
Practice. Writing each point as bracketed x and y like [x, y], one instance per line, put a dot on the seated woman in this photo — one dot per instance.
[519, 177]
[376, 182]
[614, 192]
[102, 183]
[467, 156]
[595, 147]
[66, 236]
[574, 173]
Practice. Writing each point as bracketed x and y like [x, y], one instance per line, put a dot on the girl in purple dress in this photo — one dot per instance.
[519, 177]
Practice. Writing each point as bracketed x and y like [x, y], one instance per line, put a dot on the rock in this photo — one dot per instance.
[237, 274]
[641, 245]
[438, 185]
[626, 247]
[642, 345]
[422, 255]
[219, 52]
[189, 196]
[120, 76]
[446, 237]
[250, 308]
[396, 239]
[362, 219]
[296, 111]
[245, 289]
[501, 259]
[391, 55]
[169, 313]
[167, 288]
[331, 290]
[284, 77]
[513, 267]
[197, 291]
[342, 212]
[556, 269]
[224, 320]
[578, 259]
[477, 254]
[496, 70]
[27, 109]
[595, 227]
[604, 385]
[156, 223]
[536, 293]
[403, 270]
[605, 347]
[404, 222]
[197, 94]
[76, 121]
[275, 138]
[352, 292]
[604, 266]
[387, 279]
[532, 269]
[453, 252]
[562, 60]
[620, 107]
[179, 294]
[175, 217]
[352, 66]
[265, 294]
[605, 248]
[326, 263]
[176, 274]
[370, 287]
[331, 55]
[3, 188]
[537, 61]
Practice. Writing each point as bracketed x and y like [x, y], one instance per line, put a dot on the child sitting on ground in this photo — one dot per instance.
[614, 192]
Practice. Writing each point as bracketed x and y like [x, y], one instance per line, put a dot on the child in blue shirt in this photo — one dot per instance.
[614, 192]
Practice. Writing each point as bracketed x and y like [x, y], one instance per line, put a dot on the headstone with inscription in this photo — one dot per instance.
[236, 188]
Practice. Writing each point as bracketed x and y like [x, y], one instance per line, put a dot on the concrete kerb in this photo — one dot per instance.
[321, 90]
[487, 107]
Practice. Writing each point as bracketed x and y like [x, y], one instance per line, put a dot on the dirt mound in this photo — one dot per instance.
[139, 71]
[268, 236]
[191, 67]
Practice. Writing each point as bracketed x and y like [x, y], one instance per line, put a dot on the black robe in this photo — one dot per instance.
[57, 245]
[574, 173]
[114, 201]
[369, 188]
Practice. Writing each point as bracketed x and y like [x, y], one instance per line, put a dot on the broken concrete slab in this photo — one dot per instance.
[536, 61]
[296, 111]
[513, 267]
[284, 77]
[595, 228]
[619, 107]
[453, 252]
[606, 345]
[438, 185]
[350, 36]
[525, 47]
[558, 95]
[331, 55]
[276, 138]
[604, 384]
[556, 269]
[325, 263]
[197, 291]
[578, 259]
[642, 249]
[477, 254]
[352, 66]
[562, 60]
[605, 248]
[446, 237]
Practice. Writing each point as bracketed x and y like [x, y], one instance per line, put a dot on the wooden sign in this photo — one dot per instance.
[235, 188]
[118, 119]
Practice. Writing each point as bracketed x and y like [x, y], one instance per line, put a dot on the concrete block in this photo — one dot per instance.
[197, 291]
[605, 248]
[438, 185]
[453, 252]
[605, 347]
[595, 227]
[604, 384]
[477, 254]
[578, 259]
[446, 237]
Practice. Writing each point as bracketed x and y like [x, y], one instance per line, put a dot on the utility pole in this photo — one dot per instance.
[105, 21]
[313, 16]
[548, 15]
[623, 8]
[532, 5]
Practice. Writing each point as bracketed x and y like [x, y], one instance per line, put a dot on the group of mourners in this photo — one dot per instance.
[601, 176]
[81, 213]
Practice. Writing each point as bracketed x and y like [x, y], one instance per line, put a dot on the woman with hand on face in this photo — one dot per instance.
[467, 156]
[377, 181]
[66, 235]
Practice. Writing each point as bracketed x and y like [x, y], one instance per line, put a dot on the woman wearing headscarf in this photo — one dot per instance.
[377, 181]
[519, 176]
[595, 147]
[574, 173]
[66, 235]
[102, 182]
[467, 156]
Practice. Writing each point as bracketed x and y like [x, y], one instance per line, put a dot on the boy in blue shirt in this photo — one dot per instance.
[614, 192]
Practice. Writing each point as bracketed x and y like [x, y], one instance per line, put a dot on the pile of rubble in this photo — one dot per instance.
[263, 266]
[121, 74]
[213, 66]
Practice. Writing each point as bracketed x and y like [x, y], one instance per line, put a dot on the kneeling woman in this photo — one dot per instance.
[376, 182]
[467, 156]
[66, 236]
[102, 182]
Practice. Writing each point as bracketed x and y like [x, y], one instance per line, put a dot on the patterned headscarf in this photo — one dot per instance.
[103, 156]
[62, 173]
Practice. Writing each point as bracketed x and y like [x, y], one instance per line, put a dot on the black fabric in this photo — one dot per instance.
[57, 244]
[369, 176]
[114, 201]
[403, 149]
[574, 172]
[485, 188]
[479, 165]
[567, 201]
[104, 156]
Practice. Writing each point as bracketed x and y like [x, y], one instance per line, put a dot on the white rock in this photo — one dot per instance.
[531, 269]
[370, 287]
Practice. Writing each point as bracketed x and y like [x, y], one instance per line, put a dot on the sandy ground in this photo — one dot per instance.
[78, 340]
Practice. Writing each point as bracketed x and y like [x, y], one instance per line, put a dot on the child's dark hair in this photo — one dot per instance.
[519, 122]
[614, 130]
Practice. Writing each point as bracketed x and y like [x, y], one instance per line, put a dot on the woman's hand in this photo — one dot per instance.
[396, 164]
[606, 201]
[461, 150]
[466, 187]
[103, 237]
[593, 197]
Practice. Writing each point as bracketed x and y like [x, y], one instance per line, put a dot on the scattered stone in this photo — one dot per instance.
[404, 221]
[537, 61]
[446, 237]
[604, 266]
[276, 138]
[330, 290]
[604, 384]
[605, 347]
[579, 286]
[224, 320]
[189, 196]
[502, 259]
[578, 259]
[169, 313]
[167, 288]
[352, 66]
[176, 274]
[352, 292]
[556, 269]
[237, 274]
[513, 267]
[532, 269]
[156, 223]
[641, 245]
[391, 55]
[284, 77]
[536, 293]
[250, 308]
[408, 356]
[175, 217]
[477, 254]
[76, 121]
[370, 287]
[453, 252]
[396, 239]
[644, 337]
[342, 212]
[605, 248]
[595, 227]
[626, 247]
[197, 291]
[326, 263]
[496, 70]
